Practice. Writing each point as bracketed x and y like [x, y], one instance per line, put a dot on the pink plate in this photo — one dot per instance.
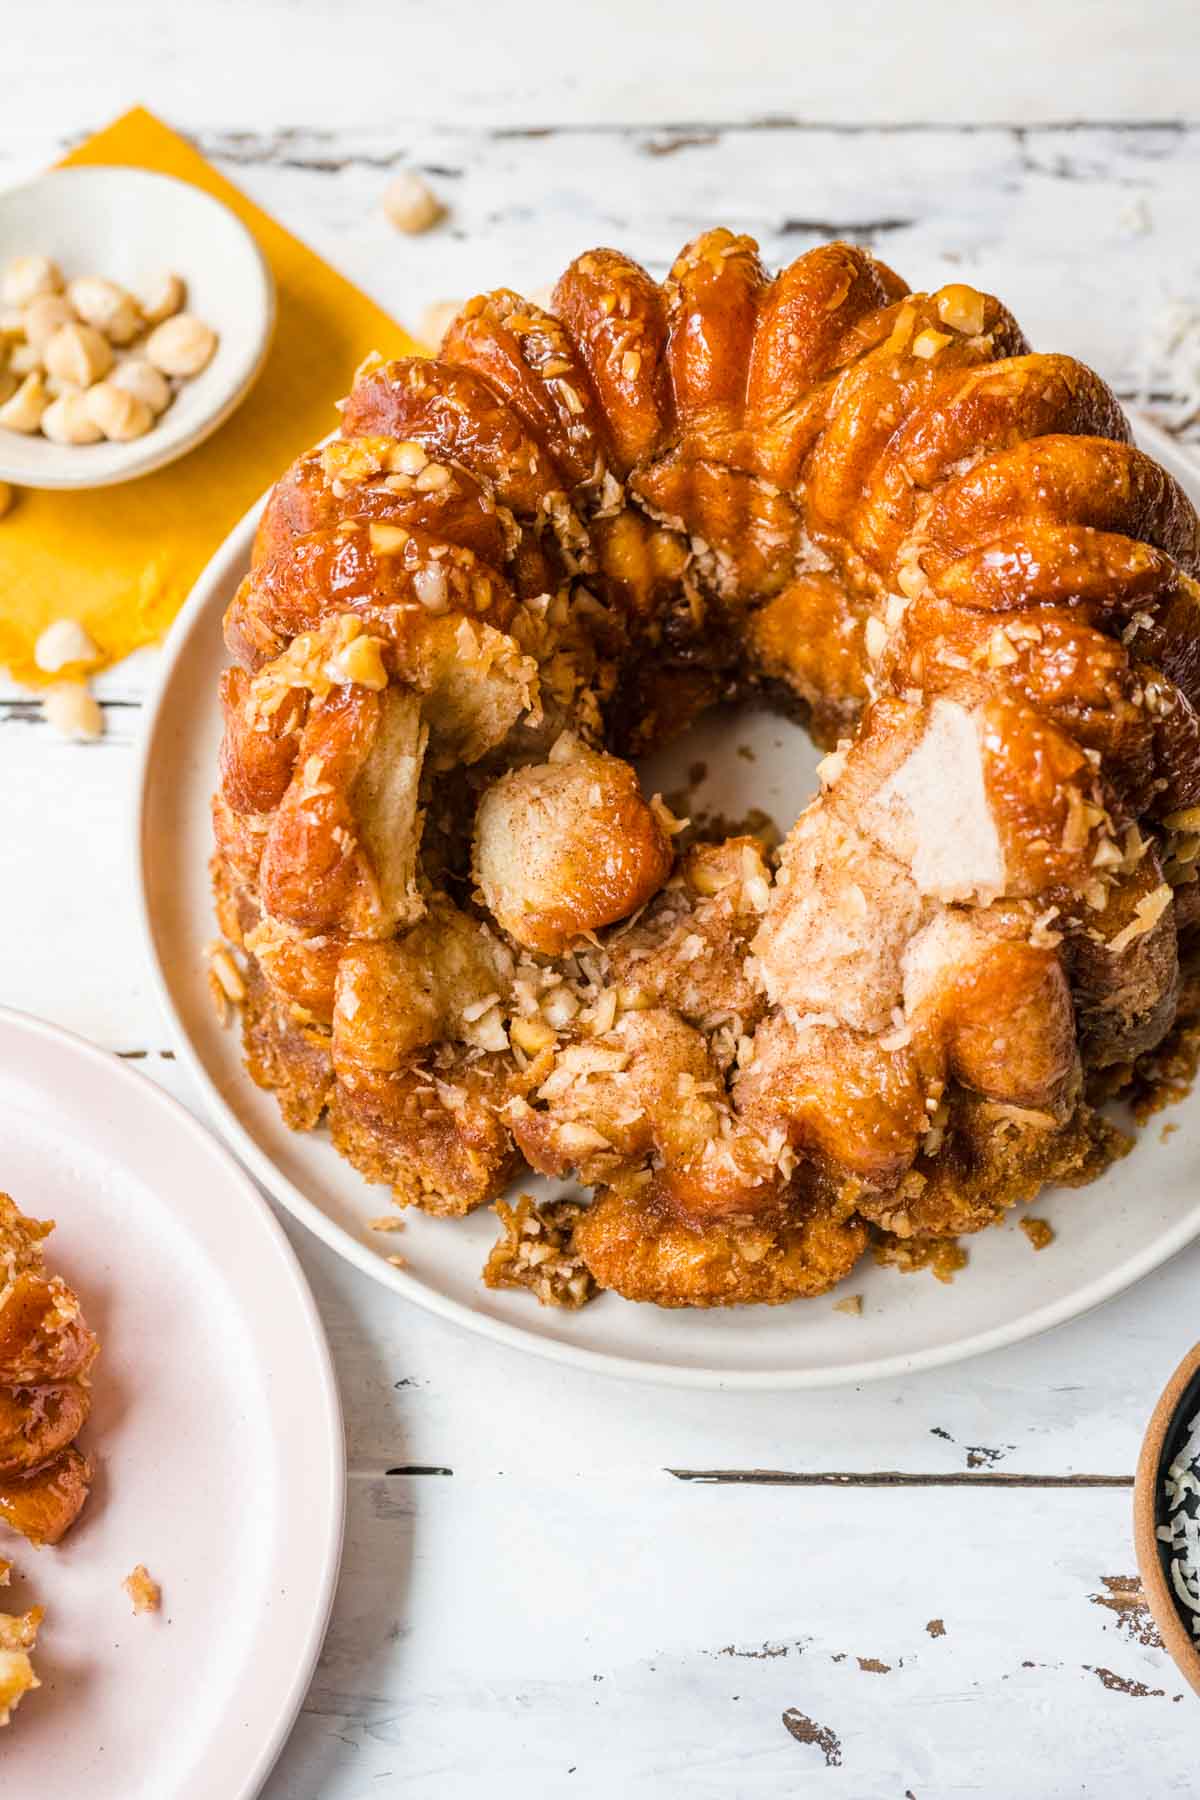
[217, 1435]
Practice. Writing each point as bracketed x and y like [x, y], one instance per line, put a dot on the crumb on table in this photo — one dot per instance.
[851, 1304]
[537, 1252]
[1038, 1232]
[143, 1590]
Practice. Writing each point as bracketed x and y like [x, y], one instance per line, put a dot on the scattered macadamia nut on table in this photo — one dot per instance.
[25, 277]
[161, 296]
[411, 204]
[79, 354]
[139, 377]
[73, 709]
[64, 641]
[25, 410]
[119, 414]
[182, 345]
[68, 421]
[109, 308]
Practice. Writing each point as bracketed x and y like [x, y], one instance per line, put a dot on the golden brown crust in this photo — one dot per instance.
[47, 1351]
[465, 930]
[642, 1253]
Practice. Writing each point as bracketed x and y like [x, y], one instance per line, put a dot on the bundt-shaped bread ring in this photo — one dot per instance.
[470, 939]
[46, 1352]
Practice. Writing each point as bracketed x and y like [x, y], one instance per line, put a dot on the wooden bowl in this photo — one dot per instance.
[1178, 1403]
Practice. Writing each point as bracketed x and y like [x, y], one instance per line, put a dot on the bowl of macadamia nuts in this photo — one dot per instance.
[135, 313]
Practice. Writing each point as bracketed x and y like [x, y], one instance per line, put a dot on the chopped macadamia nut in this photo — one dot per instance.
[142, 379]
[537, 1251]
[143, 1590]
[43, 317]
[361, 662]
[25, 409]
[119, 414]
[961, 307]
[227, 975]
[108, 307]
[67, 420]
[182, 345]
[63, 642]
[79, 354]
[25, 277]
[161, 296]
[926, 344]
[411, 204]
[73, 709]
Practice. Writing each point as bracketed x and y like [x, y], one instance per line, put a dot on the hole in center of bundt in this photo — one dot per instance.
[733, 765]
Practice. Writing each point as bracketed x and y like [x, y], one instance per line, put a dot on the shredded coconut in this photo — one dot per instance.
[1181, 1533]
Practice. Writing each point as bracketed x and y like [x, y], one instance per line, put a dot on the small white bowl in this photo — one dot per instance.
[127, 224]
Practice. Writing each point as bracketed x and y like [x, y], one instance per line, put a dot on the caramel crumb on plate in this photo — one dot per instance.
[143, 1590]
[1038, 1232]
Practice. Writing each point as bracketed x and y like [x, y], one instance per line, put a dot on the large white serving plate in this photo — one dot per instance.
[217, 1436]
[1108, 1235]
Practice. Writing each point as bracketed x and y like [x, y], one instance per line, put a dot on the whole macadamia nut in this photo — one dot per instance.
[161, 296]
[78, 354]
[139, 377]
[411, 204]
[43, 317]
[109, 308]
[182, 345]
[68, 421]
[25, 410]
[116, 412]
[25, 277]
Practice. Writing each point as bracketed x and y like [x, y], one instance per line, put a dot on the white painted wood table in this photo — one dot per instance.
[557, 1584]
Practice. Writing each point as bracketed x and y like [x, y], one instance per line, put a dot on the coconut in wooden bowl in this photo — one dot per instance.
[1166, 1517]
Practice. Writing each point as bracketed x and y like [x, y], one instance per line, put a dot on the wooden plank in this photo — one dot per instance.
[283, 61]
[635, 1636]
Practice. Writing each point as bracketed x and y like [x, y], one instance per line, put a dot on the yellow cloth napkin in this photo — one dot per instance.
[122, 559]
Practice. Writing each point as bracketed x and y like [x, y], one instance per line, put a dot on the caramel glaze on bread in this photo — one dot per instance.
[471, 940]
